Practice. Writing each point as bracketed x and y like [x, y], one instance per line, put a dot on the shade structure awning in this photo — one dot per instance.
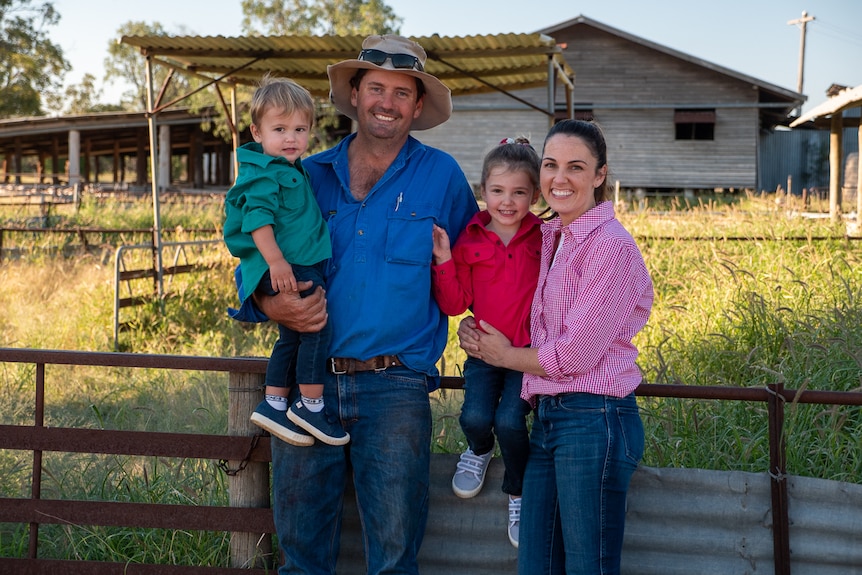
[849, 98]
[467, 65]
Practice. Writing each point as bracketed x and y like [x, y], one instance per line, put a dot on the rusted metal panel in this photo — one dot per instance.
[185, 362]
[463, 536]
[148, 515]
[683, 521]
[58, 567]
[75, 440]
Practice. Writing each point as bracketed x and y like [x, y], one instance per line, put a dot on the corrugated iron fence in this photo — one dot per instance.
[477, 524]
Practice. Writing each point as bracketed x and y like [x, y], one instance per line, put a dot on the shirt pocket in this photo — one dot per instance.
[290, 196]
[409, 235]
[480, 260]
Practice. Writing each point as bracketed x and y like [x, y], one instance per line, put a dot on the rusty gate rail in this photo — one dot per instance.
[241, 520]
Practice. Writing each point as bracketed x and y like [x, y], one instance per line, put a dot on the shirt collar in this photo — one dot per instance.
[481, 220]
[252, 153]
[584, 225]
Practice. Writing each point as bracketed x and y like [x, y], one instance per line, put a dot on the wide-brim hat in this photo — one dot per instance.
[437, 105]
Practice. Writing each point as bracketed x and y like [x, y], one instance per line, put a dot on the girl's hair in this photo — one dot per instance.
[281, 93]
[591, 135]
[517, 155]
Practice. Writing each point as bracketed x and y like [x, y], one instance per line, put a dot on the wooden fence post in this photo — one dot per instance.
[250, 486]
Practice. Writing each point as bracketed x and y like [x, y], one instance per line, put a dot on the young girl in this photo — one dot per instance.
[273, 224]
[493, 268]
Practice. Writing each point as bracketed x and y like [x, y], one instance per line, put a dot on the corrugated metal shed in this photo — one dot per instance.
[469, 64]
[680, 522]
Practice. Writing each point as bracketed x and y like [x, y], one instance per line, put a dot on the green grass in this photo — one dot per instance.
[780, 307]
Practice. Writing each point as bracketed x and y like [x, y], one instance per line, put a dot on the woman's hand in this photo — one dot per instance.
[468, 336]
[494, 347]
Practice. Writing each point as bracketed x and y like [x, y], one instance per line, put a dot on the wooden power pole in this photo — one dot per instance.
[805, 19]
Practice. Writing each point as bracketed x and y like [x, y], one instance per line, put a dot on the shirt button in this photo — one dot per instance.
[361, 232]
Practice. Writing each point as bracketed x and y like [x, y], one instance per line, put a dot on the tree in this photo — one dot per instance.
[125, 63]
[84, 98]
[307, 17]
[310, 17]
[30, 64]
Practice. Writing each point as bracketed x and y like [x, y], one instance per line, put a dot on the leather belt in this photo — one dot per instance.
[348, 365]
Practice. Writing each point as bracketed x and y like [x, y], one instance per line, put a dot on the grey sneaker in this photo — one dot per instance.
[470, 473]
[514, 520]
[276, 423]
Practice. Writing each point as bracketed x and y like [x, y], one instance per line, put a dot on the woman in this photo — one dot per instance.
[594, 295]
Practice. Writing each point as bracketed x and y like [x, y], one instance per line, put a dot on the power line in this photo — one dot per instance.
[829, 30]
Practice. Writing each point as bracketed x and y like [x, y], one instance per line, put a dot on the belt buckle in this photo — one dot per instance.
[386, 364]
[333, 368]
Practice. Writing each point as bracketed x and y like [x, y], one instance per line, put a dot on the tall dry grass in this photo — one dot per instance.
[761, 297]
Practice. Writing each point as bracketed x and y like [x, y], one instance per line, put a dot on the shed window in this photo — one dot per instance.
[694, 124]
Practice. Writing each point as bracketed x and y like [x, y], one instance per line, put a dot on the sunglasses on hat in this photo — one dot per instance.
[399, 61]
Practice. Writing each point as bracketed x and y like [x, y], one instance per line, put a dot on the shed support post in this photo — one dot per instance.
[836, 153]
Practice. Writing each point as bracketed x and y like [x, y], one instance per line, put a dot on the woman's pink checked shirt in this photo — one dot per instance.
[587, 308]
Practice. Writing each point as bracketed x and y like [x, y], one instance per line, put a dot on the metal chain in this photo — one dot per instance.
[223, 463]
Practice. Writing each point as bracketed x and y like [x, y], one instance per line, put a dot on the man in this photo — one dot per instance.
[381, 191]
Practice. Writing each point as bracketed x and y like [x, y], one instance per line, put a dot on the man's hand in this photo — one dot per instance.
[305, 315]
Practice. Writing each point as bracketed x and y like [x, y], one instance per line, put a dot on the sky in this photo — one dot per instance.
[751, 37]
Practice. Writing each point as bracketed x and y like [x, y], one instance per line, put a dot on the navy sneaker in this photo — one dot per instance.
[276, 423]
[320, 424]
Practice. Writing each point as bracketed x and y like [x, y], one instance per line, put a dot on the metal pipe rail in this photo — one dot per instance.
[245, 456]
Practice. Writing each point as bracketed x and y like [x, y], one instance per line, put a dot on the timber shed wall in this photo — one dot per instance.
[632, 91]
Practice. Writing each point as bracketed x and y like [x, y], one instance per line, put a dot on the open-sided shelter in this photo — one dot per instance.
[467, 65]
[831, 113]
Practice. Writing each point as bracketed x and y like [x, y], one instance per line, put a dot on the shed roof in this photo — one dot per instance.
[467, 65]
[776, 103]
[849, 98]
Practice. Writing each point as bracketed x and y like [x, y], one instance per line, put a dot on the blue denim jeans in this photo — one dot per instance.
[388, 416]
[298, 357]
[493, 405]
[584, 449]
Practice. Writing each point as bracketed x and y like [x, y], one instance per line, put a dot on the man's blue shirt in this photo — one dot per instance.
[379, 280]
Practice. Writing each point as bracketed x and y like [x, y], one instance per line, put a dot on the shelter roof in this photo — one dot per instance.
[848, 98]
[467, 65]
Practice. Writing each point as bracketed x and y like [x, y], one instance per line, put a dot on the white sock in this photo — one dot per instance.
[313, 404]
[276, 402]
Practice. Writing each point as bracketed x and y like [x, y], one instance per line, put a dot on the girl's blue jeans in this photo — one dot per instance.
[493, 405]
[584, 449]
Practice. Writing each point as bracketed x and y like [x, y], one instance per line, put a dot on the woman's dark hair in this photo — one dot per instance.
[592, 136]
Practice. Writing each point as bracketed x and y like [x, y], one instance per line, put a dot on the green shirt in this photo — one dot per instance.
[270, 191]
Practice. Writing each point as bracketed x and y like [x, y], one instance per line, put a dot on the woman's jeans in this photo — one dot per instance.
[388, 416]
[493, 405]
[584, 449]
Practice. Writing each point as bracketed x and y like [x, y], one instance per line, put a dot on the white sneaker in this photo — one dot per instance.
[470, 473]
[514, 520]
